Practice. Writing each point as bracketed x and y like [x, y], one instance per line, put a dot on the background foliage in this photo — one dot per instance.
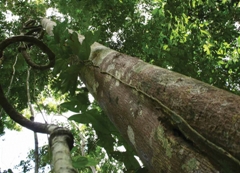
[197, 38]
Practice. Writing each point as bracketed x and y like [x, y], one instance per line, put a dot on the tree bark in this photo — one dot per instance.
[175, 123]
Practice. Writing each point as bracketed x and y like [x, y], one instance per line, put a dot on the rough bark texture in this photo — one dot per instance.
[175, 123]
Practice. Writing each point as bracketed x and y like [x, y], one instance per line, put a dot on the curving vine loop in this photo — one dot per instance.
[32, 40]
[9, 109]
[32, 37]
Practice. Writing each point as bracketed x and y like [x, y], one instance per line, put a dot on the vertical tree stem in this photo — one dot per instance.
[36, 156]
[10, 85]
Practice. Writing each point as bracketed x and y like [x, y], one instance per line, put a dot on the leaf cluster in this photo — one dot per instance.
[70, 56]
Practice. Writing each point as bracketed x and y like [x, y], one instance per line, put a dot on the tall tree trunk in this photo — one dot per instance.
[175, 123]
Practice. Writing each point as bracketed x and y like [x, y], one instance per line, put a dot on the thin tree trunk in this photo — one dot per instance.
[12, 77]
[36, 155]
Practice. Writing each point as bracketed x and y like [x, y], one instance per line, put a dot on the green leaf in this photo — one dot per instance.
[91, 37]
[77, 103]
[84, 51]
[60, 64]
[106, 141]
[238, 41]
[155, 11]
[206, 49]
[85, 48]
[71, 106]
[69, 80]
[91, 116]
[59, 31]
[127, 157]
[82, 162]
[204, 32]
[74, 43]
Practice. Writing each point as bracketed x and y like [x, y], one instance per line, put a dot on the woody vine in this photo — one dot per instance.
[60, 138]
